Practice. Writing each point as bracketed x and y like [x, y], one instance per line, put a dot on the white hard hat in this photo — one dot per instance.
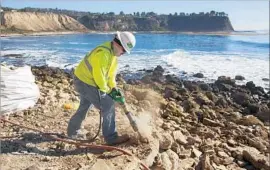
[127, 40]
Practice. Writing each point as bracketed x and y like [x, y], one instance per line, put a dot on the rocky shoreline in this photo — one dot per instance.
[194, 125]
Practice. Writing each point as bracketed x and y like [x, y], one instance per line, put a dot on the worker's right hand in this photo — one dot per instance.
[117, 96]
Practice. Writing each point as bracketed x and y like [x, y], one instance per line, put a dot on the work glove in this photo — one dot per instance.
[117, 96]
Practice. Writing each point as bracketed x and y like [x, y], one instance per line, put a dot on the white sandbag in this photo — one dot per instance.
[18, 89]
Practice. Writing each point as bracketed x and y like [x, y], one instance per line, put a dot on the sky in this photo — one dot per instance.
[244, 15]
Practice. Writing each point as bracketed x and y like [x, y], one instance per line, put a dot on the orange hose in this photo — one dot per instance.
[109, 148]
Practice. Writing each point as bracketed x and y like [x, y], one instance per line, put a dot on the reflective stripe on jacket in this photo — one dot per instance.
[98, 68]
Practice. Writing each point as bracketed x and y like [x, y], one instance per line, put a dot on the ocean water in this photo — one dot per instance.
[180, 54]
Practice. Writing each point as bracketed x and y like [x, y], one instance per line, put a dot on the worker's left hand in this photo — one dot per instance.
[117, 96]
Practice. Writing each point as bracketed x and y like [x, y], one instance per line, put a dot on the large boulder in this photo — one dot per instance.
[189, 104]
[257, 159]
[241, 98]
[158, 74]
[250, 120]
[264, 113]
[225, 80]
[191, 86]
[239, 77]
[179, 137]
[198, 75]
[166, 141]
[205, 87]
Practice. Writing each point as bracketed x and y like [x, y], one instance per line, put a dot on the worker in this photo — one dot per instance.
[94, 80]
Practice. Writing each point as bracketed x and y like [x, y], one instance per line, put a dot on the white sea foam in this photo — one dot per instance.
[212, 66]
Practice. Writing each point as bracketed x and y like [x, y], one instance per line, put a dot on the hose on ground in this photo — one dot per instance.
[74, 142]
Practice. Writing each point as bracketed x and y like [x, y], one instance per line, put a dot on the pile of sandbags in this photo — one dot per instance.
[18, 89]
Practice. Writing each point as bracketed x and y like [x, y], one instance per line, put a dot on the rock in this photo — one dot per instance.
[253, 108]
[176, 147]
[225, 80]
[46, 84]
[33, 167]
[205, 87]
[147, 79]
[250, 85]
[224, 87]
[158, 74]
[233, 116]
[256, 143]
[234, 166]
[175, 110]
[166, 141]
[222, 154]
[182, 91]
[168, 92]
[241, 163]
[189, 104]
[260, 91]
[219, 167]
[264, 113]
[211, 96]
[13, 55]
[191, 86]
[198, 75]
[165, 161]
[174, 159]
[209, 122]
[226, 161]
[239, 77]
[202, 99]
[194, 139]
[166, 126]
[196, 153]
[257, 159]
[241, 98]
[158, 69]
[100, 164]
[250, 120]
[46, 159]
[186, 163]
[179, 137]
[231, 142]
[184, 153]
[205, 163]
[221, 102]
[173, 79]
[65, 81]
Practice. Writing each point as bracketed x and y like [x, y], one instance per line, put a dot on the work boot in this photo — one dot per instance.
[119, 140]
[80, 135]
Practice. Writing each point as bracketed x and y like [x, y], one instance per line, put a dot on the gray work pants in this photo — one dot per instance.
[89, 96]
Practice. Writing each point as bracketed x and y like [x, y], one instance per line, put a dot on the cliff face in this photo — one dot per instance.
[169, 23]
[32, 21]
[200, 23]
[37, 21]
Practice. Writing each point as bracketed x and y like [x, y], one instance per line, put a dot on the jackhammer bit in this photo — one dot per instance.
[133, 123]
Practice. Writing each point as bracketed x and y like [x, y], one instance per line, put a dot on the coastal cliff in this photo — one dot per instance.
[196, 23]
[42, 21]
[38, 22]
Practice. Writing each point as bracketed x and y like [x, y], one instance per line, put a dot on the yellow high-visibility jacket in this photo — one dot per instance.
[99, 68]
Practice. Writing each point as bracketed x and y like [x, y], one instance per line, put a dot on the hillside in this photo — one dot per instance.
[38, 22]
[196, 23]
[62, 20]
